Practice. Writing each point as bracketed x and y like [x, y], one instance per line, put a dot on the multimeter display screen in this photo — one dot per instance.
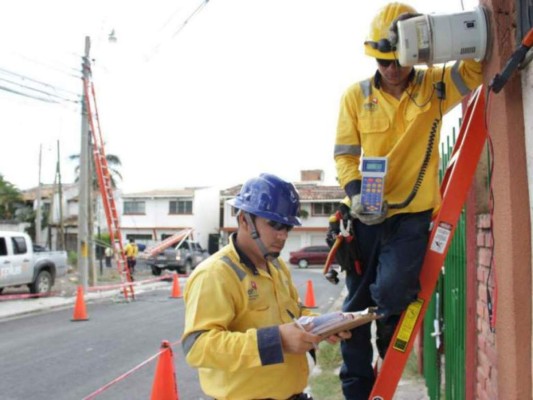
[373, 166]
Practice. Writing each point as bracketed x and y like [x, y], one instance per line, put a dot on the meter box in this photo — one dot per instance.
[373, 170]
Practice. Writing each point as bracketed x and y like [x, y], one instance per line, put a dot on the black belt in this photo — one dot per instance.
[300, 396]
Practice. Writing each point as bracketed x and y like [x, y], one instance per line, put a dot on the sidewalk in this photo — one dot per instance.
[64, 295]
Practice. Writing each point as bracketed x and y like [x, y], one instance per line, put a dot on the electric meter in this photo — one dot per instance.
[438, 38]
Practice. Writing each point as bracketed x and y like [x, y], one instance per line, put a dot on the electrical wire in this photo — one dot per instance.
[35, 89]
[25, 77]
[196, 11]
[34, 97]
[43, 92]
[491, 306]
[155, 48]
[70, 71]
[431, 139]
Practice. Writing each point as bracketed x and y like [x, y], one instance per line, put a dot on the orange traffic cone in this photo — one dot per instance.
[164, 386]
[310, 296]
[176, 291]
[80, 312]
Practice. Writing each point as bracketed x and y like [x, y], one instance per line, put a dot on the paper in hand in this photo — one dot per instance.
[334, 322]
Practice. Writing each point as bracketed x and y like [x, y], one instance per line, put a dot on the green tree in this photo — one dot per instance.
[113, 162]
[10, 199]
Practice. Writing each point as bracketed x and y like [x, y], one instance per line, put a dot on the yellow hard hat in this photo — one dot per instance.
[377, 44]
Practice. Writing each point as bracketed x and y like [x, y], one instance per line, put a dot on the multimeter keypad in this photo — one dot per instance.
[372, 194]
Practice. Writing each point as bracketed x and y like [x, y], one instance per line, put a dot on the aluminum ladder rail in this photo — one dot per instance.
[454, 190]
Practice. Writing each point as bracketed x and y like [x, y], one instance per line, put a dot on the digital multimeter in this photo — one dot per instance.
[373, 170]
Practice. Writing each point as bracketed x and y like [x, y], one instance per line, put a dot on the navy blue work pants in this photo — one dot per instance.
[391, 255]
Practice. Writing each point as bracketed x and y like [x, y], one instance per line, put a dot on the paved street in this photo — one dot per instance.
[117, 337]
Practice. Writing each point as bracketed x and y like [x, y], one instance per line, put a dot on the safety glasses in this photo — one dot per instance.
[278, 226]
[387, 63]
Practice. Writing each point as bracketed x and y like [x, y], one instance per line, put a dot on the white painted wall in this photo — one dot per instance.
[156, 215]
[206, 214]
[14, 227]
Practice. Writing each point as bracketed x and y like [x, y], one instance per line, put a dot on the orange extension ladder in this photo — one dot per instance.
[105, 186]
[454, 190]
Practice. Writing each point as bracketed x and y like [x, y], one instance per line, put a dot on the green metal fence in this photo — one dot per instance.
[447, 315]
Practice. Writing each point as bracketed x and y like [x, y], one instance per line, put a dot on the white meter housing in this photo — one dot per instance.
[438, 38]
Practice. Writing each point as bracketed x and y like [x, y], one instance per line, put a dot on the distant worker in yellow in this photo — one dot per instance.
[392, 121]
[131, 251]
[108, 256]
[240, 303]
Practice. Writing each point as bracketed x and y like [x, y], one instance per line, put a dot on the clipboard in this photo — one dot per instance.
[331, 323]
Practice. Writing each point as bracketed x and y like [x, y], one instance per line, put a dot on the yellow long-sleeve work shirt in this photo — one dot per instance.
[231, 328]
[376, 124]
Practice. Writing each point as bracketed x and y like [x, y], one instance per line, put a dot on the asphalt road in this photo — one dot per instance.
[48, 356]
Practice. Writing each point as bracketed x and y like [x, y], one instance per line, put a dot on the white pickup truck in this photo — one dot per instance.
[21, 265]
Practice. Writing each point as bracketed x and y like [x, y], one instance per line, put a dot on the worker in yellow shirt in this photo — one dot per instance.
[392, 121]
[131, 251]
[240, 303]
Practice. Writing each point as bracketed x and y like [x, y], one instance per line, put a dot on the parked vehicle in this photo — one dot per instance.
[183, 258]
[309, 255]
[21, 265]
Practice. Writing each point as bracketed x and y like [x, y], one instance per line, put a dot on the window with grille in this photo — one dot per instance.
[180, 207]
[134, 207]
[324, 209]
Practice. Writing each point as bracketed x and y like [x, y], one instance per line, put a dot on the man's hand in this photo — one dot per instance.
[357, 209]
[339, 337]
[295, 340]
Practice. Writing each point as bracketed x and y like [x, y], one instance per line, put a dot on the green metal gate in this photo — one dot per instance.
[447, 315]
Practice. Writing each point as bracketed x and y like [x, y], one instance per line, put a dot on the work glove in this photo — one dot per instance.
[357, 209]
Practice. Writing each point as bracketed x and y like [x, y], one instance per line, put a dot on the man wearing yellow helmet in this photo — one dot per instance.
[395, 114]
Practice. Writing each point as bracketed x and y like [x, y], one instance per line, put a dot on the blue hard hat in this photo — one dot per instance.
[269, 197]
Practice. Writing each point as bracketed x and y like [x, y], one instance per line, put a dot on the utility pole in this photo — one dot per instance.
[38, 214]
[60, 197]
[84, 186]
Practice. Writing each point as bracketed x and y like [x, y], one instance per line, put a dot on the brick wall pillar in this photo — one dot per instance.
[486, 374]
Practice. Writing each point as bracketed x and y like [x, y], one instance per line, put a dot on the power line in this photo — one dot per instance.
[44, 92]
[70, 71]
[35, 89]
[196, 11]
[24, 77]
[180, 28]
[46, 100]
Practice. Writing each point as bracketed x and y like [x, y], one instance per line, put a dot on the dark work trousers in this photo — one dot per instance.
[391, 255]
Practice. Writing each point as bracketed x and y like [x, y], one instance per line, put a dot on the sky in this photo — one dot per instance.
[190, 94]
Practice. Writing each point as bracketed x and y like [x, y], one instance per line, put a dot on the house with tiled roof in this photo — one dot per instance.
[318, 202]
[151, 216]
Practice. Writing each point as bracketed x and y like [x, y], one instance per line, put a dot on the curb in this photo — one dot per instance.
[18, 308]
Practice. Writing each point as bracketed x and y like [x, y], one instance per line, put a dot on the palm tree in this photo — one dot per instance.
[113, 163]
[10, 199]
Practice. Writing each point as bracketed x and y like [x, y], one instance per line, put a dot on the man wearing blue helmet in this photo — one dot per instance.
[238, 326]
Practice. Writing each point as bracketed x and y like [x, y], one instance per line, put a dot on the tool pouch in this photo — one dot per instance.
[347, 254]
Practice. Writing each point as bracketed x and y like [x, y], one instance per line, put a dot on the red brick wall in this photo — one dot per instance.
[486, 374]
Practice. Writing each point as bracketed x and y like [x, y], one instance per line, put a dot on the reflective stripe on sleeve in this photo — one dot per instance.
[189, 341]
[458, 80]
[347, 149]
[269, 344]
